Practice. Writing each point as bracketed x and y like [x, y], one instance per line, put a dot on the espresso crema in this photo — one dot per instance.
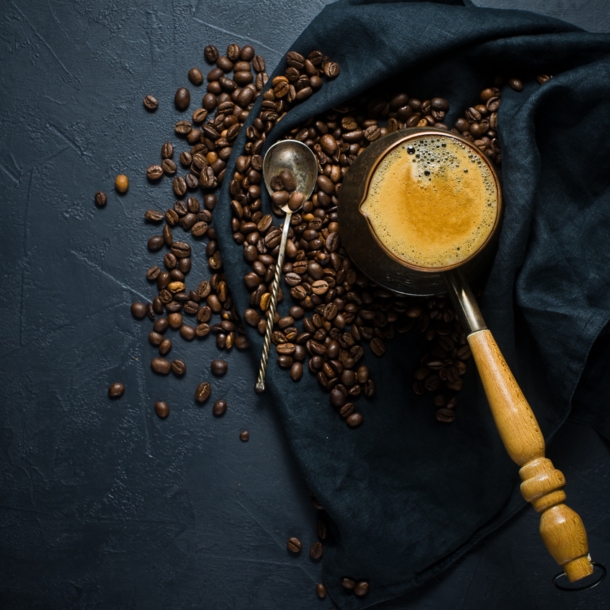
[432, 202]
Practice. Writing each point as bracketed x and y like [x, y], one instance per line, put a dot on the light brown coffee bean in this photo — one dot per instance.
[294, 545]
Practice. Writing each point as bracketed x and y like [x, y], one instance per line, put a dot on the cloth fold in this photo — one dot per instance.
[407, 496]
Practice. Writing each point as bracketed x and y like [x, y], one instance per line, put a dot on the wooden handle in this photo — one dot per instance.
[561, 528]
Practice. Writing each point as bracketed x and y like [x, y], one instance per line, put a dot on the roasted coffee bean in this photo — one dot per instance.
[199, 229]
[220, 408]
[294, 545]
[211, 53]
[354, 420]
[233, 52]
[346, 410]
[224, 63]
[151, 103]
[244, 436]
[182, 99]
[296, 201]
[162, 409]
[515, 84]
[332, 69]
[165, 347]
[138, 310]
[377, 347]
[154, 172]
[195, 76]
[203, 391]
[337, 398]
[219, 367]
[361, 588]
[160, 366]
[116, 390]
[202, 330]
[316, 551]
[258, 63]
[445, 415]
[180, 249]
[167, 150]
[155, 338]
[348, 584]
[101, 199]
[178, 367]
[169, 167]
[175, 320]
[153, 216]
[155, 243]
[179, 185]
[321, 590]
[153, 273]
[187, 332]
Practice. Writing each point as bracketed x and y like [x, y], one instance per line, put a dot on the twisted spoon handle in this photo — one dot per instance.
[275, 286]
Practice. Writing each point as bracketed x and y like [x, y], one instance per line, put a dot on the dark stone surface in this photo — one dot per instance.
[102, 503]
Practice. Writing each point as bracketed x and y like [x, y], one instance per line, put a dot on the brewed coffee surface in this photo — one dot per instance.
[432, 202]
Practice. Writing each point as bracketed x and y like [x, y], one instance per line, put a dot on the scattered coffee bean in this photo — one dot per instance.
[160, 366]
[321, 590]
[316, 551]
[220, 408]
[178, 367]
[244, 436]
[153, 216]
[294, 545]
[182, 99]
[354, 420]
[195, 76]
[100, 199]
[211, 53]
[203, 391]
[348, 584]
[219, 367]
[167, 150]
[139, 310]
[361, 588]
[121, 183]
[154, 172]
[155, 243]
[515, 84]
[162, 409]
[116, 390]
[445, 415]
[165, 347]
[151, 103]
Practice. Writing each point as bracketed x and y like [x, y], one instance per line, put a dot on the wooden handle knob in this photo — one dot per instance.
[562, 530]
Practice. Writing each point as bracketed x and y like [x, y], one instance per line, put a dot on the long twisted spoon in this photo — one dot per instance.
[288, 157]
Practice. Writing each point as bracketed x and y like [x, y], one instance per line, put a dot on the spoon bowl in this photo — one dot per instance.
[296, 157]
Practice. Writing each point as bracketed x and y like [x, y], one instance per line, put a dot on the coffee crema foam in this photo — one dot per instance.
[432, 202]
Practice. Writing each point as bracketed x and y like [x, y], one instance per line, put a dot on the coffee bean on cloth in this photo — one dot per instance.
[401, 480]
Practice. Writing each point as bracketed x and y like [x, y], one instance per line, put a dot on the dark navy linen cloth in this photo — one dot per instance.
[407, 496]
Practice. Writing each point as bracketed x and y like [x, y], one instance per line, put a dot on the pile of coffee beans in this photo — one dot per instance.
[233, 84]
[335, 310]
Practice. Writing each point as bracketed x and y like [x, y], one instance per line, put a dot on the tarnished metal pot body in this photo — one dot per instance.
[363, 246]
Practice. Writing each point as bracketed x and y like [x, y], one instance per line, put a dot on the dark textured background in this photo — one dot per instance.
[103, 504]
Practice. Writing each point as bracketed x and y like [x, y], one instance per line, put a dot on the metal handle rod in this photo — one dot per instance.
[275, 286]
